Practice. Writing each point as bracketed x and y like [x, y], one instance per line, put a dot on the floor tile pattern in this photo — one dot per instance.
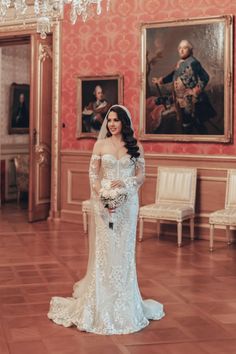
[43, 259]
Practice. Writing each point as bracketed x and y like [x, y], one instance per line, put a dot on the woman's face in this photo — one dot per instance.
[114, 124]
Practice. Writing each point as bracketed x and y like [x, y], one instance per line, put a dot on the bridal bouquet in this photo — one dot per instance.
[112, 199]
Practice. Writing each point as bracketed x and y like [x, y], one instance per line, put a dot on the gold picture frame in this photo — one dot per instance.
[19, 109]
[187, 98]
[95, 95]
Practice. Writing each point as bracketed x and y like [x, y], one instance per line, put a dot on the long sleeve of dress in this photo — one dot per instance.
[94, 169]
[135, 182]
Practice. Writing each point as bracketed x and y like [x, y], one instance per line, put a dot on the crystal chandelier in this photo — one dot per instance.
[47, 11]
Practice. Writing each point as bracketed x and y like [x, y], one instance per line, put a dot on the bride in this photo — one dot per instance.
[107, 300]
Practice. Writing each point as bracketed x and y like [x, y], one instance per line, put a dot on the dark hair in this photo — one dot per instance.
[126, 131]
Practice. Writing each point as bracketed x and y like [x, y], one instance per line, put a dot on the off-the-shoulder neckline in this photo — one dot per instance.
[107, 154]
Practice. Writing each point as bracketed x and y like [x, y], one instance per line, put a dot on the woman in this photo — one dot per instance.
[107, 300]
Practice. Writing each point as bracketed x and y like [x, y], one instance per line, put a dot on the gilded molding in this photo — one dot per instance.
[45, 52]
[43, 154]
[164, 156]
[56, 102]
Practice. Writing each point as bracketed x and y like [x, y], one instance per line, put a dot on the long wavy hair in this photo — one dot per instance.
[126, 131]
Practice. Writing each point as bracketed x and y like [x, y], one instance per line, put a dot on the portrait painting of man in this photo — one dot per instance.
[94, 113]
[184, 94]
[95, 96]
[19, 108]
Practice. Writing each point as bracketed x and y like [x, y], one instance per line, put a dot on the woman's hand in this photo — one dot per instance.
[97, 189]
[117, 184]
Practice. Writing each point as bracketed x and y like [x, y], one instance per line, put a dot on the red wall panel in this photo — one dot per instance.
[110, 44]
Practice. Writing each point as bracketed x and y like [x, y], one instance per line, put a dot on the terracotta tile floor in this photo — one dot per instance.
[44, 259]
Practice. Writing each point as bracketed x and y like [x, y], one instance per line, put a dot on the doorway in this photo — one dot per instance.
[15, 61]
[43, 130]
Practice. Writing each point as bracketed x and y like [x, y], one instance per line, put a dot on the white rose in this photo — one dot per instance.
[105, 193]
[112, 193]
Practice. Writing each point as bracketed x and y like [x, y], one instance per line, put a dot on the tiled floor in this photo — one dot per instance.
[40, 260]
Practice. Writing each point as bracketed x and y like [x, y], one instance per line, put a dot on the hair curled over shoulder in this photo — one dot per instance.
[127, 132]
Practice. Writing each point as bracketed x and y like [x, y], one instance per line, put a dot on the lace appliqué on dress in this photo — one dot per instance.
[94, 169]
[107, 300]
[134, 183]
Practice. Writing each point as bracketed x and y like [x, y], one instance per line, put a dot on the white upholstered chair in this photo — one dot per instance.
[86, 209]
[175, 199]
[227, 216]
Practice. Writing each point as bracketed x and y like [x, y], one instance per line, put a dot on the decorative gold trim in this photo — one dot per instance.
[42, 151]
[154, 156]
[190, 157]
[56, 118]
[45, 52]
[194, 21]
[43, 154]
[28, 22]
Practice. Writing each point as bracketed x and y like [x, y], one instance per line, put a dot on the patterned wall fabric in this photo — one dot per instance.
[110, 44]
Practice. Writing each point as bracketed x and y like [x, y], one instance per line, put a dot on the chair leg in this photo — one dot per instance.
[211, 237]
[158, 228]
[85, 222]
[140, 229]
[228, 234]
[179, 232]
[192, 228]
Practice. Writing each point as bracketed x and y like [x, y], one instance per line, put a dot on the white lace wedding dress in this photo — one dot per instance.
[107, 300]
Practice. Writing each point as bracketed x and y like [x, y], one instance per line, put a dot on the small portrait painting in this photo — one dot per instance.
[19, 108]
[95, 96]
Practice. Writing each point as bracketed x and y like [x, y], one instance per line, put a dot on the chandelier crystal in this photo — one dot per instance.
[48, 11]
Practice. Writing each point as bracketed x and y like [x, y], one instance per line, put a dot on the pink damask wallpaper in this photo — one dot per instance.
[110, 44]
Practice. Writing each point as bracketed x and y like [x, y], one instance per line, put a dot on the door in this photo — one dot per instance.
[40, 127]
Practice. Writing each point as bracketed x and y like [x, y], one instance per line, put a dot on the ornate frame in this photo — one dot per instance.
[169, 32]
[85, 89]
[15, 91]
